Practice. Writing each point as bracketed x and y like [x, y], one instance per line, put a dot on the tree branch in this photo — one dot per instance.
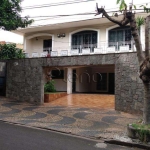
[102, 11]
[135, 35]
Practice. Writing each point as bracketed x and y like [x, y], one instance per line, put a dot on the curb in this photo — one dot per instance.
[107, 141]
[128, 144]
[53, 130]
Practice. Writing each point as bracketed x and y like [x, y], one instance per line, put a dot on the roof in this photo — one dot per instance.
[70, 24]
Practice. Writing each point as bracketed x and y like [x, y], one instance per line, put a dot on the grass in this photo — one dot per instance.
[143, 131]
[141, 126]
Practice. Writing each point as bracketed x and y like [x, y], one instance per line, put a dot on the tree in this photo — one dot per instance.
[10, 51]
[144, 60]
[10, 18]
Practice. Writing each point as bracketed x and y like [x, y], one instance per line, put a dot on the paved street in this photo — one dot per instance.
[14, 137]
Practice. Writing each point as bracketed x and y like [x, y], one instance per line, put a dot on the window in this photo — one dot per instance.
[57, 74]
[84, 39]
[47, 45]
[122, 35]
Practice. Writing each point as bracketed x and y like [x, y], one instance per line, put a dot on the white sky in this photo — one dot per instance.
[69, 9]
[62, 10]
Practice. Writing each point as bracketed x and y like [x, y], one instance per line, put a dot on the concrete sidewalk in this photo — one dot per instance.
[92, 123]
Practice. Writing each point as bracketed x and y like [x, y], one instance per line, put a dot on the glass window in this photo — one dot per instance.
[122, 35]
[47, 45]
[84, 39]
[57, 74]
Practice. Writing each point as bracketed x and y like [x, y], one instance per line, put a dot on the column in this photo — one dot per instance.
[69, 80]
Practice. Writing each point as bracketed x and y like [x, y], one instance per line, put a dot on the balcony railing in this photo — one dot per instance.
[87, 49]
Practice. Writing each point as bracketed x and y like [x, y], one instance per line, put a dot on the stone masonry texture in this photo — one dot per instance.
[25, 77]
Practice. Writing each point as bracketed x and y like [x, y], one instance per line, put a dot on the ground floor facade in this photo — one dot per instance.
[26, 78]
[83, 79]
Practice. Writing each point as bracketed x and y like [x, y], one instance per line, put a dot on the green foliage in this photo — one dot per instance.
[147, 10]
[134, 6]
[122, 3]
[49, 86]
[140, 21]
[142, 130]
[9, 51]
[10, 18]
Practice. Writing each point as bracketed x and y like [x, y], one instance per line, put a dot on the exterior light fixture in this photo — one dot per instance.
[61, 35]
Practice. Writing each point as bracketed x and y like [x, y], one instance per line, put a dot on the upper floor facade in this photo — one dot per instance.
[96, 36]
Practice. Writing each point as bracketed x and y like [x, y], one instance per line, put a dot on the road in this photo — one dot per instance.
[15, 137]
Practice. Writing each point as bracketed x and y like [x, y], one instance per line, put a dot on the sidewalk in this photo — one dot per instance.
[92, 123]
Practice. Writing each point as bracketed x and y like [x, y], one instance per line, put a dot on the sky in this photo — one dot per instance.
[75, 8]
[84, 7]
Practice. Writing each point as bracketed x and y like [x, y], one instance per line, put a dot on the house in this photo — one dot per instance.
[87, 37]
[87, 56]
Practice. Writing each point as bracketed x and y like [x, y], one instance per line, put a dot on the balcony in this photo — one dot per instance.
[86, 49]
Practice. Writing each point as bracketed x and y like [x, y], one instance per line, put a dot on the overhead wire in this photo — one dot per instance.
[56, 4]
[63, 3]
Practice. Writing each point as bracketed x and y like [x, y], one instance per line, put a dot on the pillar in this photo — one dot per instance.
[69, 80]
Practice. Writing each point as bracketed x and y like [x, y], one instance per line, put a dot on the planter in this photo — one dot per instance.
[141, 134]
[48, 97]
[131, 132]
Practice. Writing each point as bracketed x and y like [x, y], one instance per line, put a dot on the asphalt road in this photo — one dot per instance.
[15, 137]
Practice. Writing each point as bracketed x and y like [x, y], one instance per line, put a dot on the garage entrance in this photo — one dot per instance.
[92, 86]
[94, 79]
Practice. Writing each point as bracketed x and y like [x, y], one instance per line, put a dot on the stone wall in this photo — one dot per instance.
[25, 77]
[128, 86]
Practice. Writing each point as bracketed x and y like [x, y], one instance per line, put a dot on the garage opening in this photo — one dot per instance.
[92, 86]
[94, 79]
[83, 79]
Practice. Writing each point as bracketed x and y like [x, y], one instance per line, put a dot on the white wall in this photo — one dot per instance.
[61, 84]
[64, 43]
[33, 45]
[37, 45]
[142, 35]
[28, 46]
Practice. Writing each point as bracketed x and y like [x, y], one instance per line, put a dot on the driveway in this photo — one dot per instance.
[98, 101]
[88, 122]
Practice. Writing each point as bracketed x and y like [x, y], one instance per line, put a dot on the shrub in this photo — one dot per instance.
[9, 51]
[49, 86]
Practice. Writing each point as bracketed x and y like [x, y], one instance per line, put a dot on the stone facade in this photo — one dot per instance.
[129, 90]
[25, 77]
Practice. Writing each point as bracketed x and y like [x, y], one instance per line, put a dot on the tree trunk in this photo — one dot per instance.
[147, 48]
[136, 37]
[146, 110]
[144, 62]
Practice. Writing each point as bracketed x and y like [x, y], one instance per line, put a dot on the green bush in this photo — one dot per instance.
[142, 130]
[49, 86]
[9, 51]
